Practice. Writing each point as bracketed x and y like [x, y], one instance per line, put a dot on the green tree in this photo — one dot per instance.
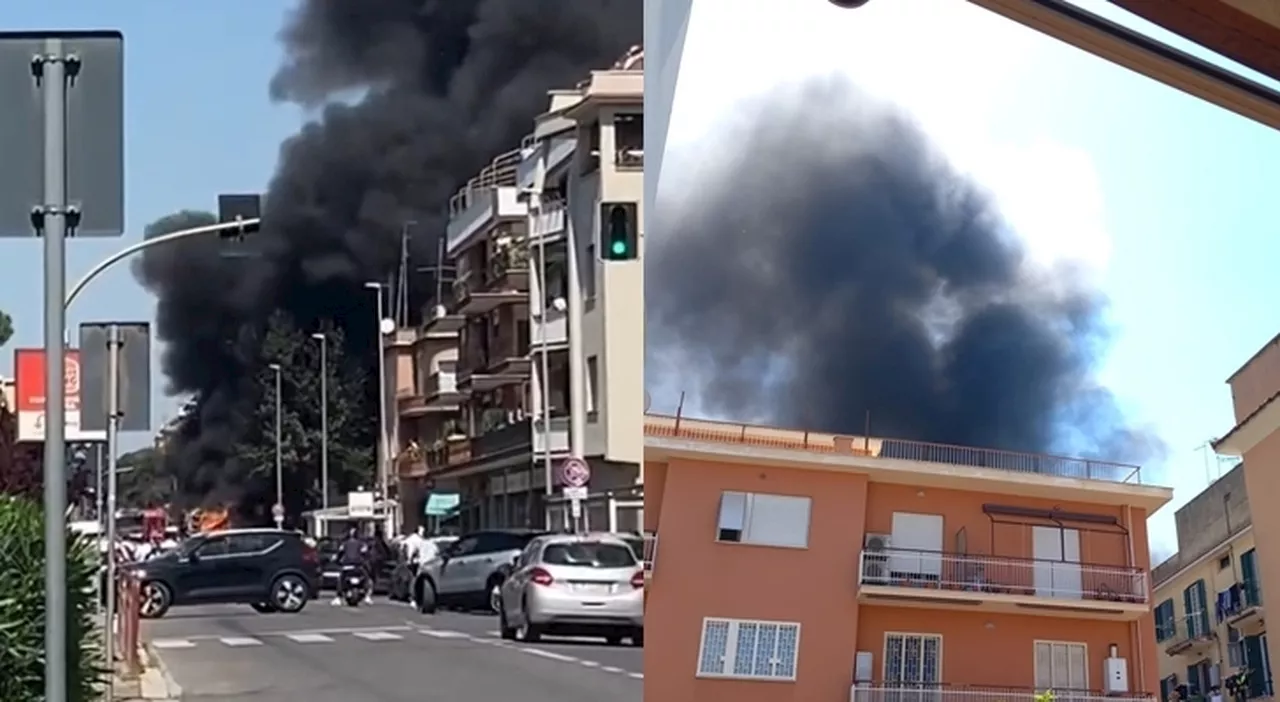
[143, 481]
[6, 327]
[351, 434]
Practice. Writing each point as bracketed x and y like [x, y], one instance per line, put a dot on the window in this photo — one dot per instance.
[1167, 686]
[764, 520]
[1199, 678]
[912, 660]
[1166, 623]
[1197, 611]
[756, 650]
[589, 554]
[241, 544]
[217, 546]
[1061, 666]
[1224, 562]
[1249, 578]
[1235, 648]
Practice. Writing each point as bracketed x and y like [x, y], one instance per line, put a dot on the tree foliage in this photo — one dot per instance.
[23, 607]
[6, 327]
[350, 431]
[143, 480]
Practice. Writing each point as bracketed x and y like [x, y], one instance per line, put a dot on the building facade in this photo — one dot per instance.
[816, 567]
[1255, 438]
[1208, 616]
[499, 340]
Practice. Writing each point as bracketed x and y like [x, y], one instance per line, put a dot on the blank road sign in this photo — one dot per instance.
[95, 131]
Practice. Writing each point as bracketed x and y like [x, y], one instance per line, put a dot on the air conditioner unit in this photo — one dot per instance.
[877, 542]
[875, 559]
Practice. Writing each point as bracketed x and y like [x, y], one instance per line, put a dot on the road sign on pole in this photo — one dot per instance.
[575, 472]
[277, 514]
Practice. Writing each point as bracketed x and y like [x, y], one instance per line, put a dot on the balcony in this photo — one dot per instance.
[439, 394]
[554, 435]
[941, 692]
[1192, 637]
[441, 323]
[507, 283]
[908, 578]
[487, 199]
[508, 437]
[449, 453]
[1245, 611]
[549, 222]
[900, 450]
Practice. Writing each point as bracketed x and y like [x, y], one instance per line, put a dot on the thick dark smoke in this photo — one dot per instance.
[416, 96]
[830, 266]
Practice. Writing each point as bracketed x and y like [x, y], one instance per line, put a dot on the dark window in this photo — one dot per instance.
[1166, 624]
[216, 546]
[464, 546]
[251, 543]
[1224, 562]
[589, 555]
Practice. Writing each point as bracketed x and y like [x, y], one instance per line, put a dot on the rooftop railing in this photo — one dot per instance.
[668, 426]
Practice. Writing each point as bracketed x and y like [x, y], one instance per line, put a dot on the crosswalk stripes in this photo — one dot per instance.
[240, 641]
[309, 638]
[377, 636]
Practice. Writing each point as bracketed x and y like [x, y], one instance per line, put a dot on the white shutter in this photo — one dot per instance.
[1061, 666]
[778, 520]
[917, 544]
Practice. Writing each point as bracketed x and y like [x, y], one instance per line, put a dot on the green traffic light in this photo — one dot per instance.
[619, 248]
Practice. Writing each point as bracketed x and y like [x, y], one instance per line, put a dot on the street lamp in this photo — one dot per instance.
[324, 418]
[385, 459]
[277, 513]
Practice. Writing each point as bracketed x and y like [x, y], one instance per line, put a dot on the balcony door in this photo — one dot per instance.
[916, 546]
[1057, 562]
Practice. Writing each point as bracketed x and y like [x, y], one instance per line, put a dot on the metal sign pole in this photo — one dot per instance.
[51, 74]
[114, 343]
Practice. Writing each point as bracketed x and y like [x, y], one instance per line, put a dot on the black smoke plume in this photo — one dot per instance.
[414, 97]
[830, 267]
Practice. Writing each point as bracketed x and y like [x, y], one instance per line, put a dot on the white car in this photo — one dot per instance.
[574, 585]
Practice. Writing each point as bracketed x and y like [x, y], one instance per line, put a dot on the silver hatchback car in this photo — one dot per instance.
[574, 585]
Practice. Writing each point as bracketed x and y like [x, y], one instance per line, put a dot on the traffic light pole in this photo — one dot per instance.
[577, 362]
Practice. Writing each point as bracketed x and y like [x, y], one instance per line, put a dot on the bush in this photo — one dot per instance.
[22, 609]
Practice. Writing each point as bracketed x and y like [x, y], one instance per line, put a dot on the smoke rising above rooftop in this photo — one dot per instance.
[831, 267]
[413, 98]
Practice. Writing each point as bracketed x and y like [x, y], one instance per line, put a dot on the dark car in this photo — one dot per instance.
[269, 569]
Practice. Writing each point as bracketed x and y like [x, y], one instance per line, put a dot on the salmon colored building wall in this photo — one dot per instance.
[695, 576]
[1256, 381]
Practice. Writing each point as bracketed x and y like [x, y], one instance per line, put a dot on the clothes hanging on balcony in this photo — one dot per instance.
[1229, 602]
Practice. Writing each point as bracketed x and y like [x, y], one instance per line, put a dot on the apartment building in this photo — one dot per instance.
[502, 332]
[583, 172]
[1208, 612]
[1255, 438]
[820, 567]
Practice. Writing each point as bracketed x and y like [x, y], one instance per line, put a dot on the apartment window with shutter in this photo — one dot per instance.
[1061, 666]
[749, 649]
[1167, 686]
[764, 520]
[1197, 610]
[1166, 624]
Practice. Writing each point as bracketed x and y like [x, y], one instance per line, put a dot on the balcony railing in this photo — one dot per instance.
[939, 692]
[799, 440]
[514, 436]
[1001, 575]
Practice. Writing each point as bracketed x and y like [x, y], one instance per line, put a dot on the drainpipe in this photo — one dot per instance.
[1135, 629]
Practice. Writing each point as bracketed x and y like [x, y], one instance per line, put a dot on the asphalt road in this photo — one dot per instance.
[384, 652]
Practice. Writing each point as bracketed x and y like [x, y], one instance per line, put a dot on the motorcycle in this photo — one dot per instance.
[353, 585]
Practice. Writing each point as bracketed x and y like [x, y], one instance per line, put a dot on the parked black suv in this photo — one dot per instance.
[272, 570]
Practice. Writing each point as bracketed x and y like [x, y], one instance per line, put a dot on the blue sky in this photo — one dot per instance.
[1167, 199]
[198, 123]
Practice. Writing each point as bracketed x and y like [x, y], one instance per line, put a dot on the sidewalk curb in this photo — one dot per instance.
[157, 682]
